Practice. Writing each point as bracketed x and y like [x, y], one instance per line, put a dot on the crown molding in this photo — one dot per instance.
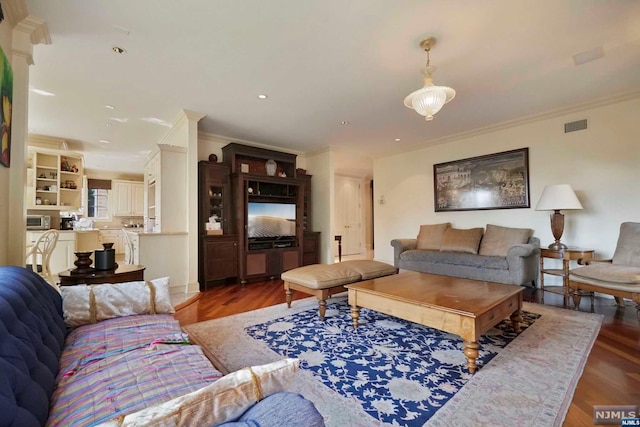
[15, 11]
[220, 139]
[599, 102]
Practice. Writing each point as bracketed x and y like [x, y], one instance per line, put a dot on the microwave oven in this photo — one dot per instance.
[38, 222]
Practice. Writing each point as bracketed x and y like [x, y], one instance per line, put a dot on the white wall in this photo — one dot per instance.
[601, 163]
[320, 165]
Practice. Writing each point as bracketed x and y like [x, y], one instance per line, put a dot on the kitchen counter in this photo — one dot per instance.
[142, 232]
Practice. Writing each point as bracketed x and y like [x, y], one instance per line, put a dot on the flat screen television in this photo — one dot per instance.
[268, 221]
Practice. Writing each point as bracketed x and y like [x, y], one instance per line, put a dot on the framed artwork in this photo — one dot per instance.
[6, 96]
[494, 181]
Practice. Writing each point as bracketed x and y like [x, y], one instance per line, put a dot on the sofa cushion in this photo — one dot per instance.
[609, 273]
[84, 304]
[128, 380]
[459, 240]
[224, 400]
[627, 250]
[497, 240]
[269, 413]
[455, 258]
[430, 236]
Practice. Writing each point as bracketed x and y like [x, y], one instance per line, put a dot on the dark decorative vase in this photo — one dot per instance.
[82, 263]
[106, 259]
[213, 158]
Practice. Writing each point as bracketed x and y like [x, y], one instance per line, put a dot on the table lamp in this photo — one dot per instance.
[556, 198]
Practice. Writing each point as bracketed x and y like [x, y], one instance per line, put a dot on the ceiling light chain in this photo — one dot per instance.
[430, 99]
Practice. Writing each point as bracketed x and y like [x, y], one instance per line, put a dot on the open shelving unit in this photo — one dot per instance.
[54, 180]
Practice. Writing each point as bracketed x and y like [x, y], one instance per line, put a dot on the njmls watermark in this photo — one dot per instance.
[619, 415]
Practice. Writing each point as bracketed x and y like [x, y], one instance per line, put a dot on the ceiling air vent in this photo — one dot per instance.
[574, 126]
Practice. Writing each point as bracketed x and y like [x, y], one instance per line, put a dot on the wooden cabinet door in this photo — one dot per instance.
[256, 263]
[220, 259]
[137, 199]
[290, 259]
[122, 193]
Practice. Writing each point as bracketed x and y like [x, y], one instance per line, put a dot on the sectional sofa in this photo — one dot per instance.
[121, 364]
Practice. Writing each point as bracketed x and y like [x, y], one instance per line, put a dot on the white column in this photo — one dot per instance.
[26, 33]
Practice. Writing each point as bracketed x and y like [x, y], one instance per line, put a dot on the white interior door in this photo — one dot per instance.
[349, 214]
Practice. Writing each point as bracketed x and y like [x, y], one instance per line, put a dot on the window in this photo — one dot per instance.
[98, 203]
[98, 191]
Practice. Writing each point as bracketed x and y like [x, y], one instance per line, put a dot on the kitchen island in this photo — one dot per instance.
[163, 254]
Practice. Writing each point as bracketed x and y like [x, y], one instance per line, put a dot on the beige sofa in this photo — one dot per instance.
[501, 254]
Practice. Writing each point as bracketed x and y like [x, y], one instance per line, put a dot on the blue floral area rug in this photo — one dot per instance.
[529, 383]
[400, 372]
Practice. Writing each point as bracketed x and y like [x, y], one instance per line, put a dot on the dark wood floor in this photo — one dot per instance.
[611, 376]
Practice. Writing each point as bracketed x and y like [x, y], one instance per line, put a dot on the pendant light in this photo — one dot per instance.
[430, 99]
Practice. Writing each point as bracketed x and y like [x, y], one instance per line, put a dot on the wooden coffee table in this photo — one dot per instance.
[463, 307]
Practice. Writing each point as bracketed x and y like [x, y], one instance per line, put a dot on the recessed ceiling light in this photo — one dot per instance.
[397, 139]
[262, 96]
[42, 92]
[109, 107]
[118, 49]
[344, 122]
[104, 141]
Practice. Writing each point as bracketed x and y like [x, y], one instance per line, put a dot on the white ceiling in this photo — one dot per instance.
[320, 62]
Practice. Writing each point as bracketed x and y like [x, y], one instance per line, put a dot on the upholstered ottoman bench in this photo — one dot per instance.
[324, 280]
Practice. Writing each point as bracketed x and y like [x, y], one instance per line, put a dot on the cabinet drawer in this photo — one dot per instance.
[499, 313]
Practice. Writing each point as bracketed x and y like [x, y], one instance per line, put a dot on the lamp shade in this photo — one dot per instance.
[558, 197]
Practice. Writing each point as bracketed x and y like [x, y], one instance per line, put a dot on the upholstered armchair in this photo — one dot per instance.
[619, 276]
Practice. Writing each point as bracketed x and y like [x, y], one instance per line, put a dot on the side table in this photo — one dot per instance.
[124, 273]
[566, 255]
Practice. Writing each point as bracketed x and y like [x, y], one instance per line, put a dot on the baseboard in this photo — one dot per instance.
[189, 288]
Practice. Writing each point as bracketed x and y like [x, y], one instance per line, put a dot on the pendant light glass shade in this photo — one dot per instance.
[430, 99]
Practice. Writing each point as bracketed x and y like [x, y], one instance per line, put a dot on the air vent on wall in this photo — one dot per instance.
[574, 126]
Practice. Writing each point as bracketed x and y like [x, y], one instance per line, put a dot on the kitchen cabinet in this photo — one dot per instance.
[115, 237]
[63, 256]
[54, 180]
[87, 240]
[128, 198]
[166, 191]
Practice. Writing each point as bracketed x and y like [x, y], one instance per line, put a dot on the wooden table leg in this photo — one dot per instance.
[322, 308]
[355, 314]
[471, 351]
[516, 318]
[288, 294]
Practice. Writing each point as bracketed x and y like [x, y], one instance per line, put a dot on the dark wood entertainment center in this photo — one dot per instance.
[225, 191]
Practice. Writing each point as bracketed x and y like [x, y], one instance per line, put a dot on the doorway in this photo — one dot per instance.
[348, 214]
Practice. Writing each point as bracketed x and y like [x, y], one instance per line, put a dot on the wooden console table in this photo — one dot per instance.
[124, 273]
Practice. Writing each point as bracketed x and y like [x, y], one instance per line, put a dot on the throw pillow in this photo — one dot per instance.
[497, 240]
[459, 240]
[224, 400]
[430, 236]
[84, 304]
